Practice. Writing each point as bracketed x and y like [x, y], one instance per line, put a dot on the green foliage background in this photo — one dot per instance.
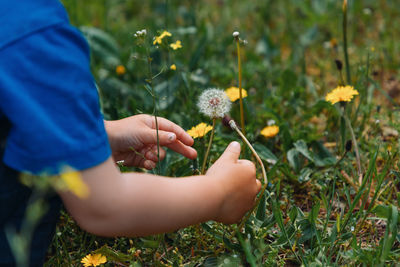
[315, 216]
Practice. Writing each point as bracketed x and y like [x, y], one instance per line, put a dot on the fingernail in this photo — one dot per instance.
[235, 145]
[171, 137]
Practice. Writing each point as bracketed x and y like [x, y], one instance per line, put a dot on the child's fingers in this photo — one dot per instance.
[148, 164]
[169, 126]
[183, 149]
[151, 154]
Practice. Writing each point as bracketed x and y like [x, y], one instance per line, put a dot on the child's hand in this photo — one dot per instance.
[238, 183]
[134, 140]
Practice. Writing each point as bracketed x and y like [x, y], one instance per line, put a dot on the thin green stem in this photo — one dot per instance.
[240, 86]
[346, 54]
[150, 81]
[203, 168]
[354, 140]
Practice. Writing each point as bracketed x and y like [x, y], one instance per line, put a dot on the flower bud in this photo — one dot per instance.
[339, 64]
[349, 145]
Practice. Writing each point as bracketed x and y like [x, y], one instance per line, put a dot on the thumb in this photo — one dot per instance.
[231, 153]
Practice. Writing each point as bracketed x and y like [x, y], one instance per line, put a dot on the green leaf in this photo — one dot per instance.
[293, 157]
[102, 45]
[265, 154]
[305, 175]
[390, 234]
[261, 209]
[312, 217]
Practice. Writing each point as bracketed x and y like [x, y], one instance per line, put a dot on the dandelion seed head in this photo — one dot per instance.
[214, 103]
[235, 34]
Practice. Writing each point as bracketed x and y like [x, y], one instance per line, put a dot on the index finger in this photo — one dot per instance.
[167, 125]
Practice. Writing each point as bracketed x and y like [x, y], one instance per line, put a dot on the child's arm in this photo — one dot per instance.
[137, 204]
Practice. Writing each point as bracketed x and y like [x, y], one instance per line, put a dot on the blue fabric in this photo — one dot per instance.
[49, 111]
[49, 96]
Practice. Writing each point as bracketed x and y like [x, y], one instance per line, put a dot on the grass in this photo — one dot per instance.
[317, 212]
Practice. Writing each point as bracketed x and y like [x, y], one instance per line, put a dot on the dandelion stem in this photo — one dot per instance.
[346, 55]
[203, 168]
[150, 81]
[232, 124]
[354, 140]
[240, 86]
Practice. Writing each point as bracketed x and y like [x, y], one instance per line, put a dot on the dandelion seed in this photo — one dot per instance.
[120, 70]
[199, 130]
[176, 45]
[172, 67]
[233, 93]
[214, 103]
[93, 260]
[158, 39]
[341, 94]
[235, 34]
[270, 131]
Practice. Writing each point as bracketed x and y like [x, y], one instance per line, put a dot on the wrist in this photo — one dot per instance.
[216, 192]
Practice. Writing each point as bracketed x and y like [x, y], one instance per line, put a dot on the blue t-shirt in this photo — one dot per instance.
[49, 110]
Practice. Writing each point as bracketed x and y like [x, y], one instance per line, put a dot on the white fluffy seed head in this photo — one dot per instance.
[214, 103]
[235, 34]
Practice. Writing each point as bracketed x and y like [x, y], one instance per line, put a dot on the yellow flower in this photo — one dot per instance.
[93, 260]
[200, 130]
[233, 93]
[176, 45]
[158, 39]
[341, 93]
[74, 183]
[172, 67]
[120, 70]
[270, 131]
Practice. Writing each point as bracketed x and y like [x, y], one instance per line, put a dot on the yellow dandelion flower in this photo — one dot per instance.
[199, 130]
[176, 45]
[270, 131]
[120, 70]
[233, 93]
[158, 39]
[74, 183]
[93, 260]
[172, 67]
[341, 94]
[333, 42]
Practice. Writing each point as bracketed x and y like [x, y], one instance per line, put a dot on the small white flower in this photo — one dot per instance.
[214, 103]
[352, 228]
[235, 34]
[270, 122]
[140, 33]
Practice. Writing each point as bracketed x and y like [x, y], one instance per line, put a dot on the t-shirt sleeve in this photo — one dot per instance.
[49, 95]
